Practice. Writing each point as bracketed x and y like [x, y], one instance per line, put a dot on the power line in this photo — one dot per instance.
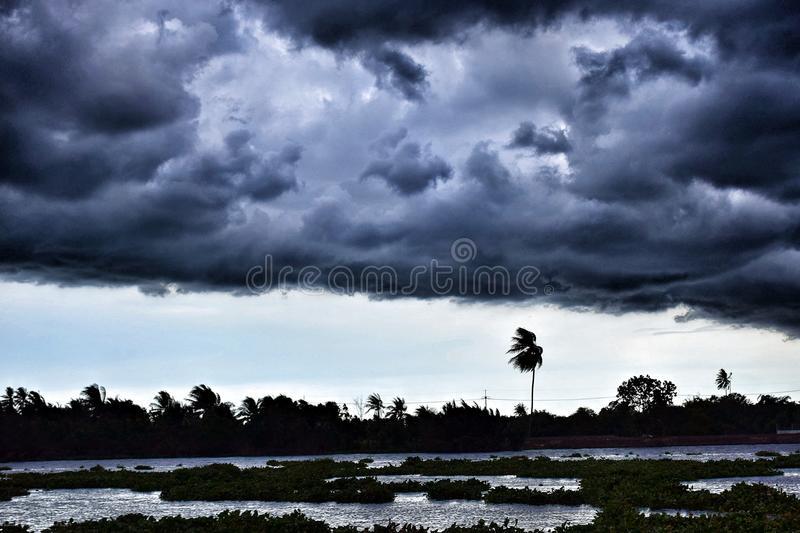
[486, 397]
[552, 399]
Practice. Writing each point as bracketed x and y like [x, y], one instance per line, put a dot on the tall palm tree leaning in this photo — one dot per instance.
[375, 404]
[527, 358]
[397, 411]
[724, 380]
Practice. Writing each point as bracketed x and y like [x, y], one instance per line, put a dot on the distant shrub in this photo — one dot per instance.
[767, 453]
[8, 527]
[448, 489]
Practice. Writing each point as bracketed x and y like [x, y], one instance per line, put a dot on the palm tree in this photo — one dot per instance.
[163, 404]
[203, 400]
[94, 397]
[424, 411]
[527, 358]
[20, 399]
[7, 401]
[520, 410]
[36, 402]
[375, 404]
[249, 410]
[397, 411]
[724, 380]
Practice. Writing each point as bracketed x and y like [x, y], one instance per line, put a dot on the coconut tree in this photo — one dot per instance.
[375, 404]
[203, 400]
[520, 410]
[21, 399]
[397, 411]
[36, 402]
[724, 380]
[249, 409]
[527, 358]
[423, 411]
[165, 406]
[94, 397]
[7, 401]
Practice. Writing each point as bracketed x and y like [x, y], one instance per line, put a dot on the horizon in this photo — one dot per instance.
[170, 343]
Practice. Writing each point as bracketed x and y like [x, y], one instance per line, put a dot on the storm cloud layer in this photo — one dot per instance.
[639, 155]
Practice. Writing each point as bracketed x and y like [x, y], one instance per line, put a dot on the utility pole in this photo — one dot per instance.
[485, 401]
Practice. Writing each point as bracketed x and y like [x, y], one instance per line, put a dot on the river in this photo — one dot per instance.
[43, 507]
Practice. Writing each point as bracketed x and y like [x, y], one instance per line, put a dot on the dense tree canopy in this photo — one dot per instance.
[95, 425]
[644, 393]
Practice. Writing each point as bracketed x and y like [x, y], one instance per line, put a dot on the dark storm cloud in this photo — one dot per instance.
[484, 166]
[649, 55]
[764, 28]
[260, 176]
[611, 75]
[743, 133]
[82, 106]
[678, 182]
[410, 169]
[398, 71]
[387, 143]
[547, 140]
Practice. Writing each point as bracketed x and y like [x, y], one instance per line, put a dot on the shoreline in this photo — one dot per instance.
[613, 441]
[531, 444]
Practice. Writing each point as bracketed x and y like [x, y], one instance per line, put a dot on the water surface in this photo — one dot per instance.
[544, 484]
[43, 507]
[698, 453]
[789, 482]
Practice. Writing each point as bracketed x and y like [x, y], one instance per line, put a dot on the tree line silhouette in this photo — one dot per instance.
[95, 425]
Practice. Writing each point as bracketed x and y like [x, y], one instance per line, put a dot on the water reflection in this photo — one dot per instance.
[697, 453]
[43, 507]
[542, 484]
[789, 482]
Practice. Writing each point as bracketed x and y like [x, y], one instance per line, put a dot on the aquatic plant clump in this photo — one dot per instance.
[447, 489]
[529, 496]
[605, 484]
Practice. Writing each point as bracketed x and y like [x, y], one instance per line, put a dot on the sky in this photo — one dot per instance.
[328, 347]
[331, 199]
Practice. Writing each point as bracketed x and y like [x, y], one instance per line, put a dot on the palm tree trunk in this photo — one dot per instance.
[530, 422]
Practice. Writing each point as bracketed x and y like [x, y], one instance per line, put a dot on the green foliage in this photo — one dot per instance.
[624, 518]
[7, 527]
[95, 425]
[446, 489]
[643, 393]
[787, 461]
[8, 491]
[767, 453]
[529, 496]
[527, 354]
